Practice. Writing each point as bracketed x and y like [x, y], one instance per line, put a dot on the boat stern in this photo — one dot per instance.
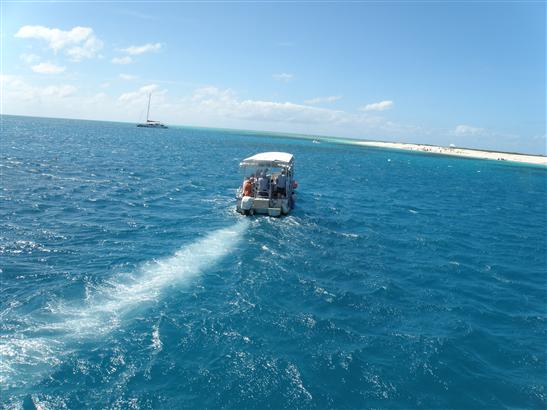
[249, 206]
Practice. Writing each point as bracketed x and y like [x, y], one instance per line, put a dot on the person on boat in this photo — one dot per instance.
[281, 183]
[263, 185]
[248, 187]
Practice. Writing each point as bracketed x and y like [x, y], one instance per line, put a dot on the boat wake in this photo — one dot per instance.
[28, 353]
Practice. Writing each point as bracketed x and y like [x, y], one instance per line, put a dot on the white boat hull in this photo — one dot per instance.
[144, 125]
[263, 206]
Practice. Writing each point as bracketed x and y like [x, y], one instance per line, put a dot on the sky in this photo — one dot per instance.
[464, 73]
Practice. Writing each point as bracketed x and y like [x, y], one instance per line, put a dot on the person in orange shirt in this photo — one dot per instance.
[247, 187]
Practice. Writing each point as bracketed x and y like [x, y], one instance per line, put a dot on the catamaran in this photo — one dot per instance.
[151, 123]
[268, 184]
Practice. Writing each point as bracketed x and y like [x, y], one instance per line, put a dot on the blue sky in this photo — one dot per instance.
[472, 74]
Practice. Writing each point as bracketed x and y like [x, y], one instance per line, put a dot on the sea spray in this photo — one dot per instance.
[24, 359]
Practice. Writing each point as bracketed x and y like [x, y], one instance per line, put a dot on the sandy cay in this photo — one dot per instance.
[459, 152]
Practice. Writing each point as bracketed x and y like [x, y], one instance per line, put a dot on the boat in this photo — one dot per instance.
[151, 123]
[268, 184]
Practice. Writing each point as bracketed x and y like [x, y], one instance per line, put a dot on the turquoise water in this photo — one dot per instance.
[400, 280]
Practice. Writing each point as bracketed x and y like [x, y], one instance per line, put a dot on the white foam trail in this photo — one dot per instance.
[107, 303]
[105, 307]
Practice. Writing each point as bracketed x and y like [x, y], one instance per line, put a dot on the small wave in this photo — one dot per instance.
[296, 381]
[75, 179]
[349, 235]
[24, 246]
[156, 341]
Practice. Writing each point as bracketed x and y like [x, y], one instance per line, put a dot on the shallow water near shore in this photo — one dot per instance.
[400, 280]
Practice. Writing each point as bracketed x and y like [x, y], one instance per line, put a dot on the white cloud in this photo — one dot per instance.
[142, 94]
[471, 136]
[87, 50]
[122, 60]
[98, 98]
[378, 106]
[59, 91]
[284, 77]
[78, 43]
[29, 58]
[136, 50]
[222, 107]
[13, 85]
[215, 102]
[468, 130]
[17, 89]
[48, 68]
[105, 85]
[319, 100]
[128, 77]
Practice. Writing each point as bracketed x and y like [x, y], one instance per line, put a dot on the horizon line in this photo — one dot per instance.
[282, 134]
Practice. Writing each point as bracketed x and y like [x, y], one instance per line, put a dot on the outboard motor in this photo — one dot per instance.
[247, 204]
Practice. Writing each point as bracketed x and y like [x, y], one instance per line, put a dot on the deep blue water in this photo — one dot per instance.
[400, 280]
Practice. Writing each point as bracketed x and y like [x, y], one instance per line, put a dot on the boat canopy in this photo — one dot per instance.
[269, 159]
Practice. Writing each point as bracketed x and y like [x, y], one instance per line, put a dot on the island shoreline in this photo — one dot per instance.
[446, 151]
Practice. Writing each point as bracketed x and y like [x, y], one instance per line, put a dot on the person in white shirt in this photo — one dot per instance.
[263, 185]
[281, 184]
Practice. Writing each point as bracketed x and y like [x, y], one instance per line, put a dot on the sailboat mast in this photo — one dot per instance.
[148, 111]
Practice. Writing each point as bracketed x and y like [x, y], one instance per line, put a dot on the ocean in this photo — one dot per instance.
[128, 281]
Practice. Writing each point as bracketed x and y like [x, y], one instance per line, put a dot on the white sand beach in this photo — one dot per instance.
[459, 152]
